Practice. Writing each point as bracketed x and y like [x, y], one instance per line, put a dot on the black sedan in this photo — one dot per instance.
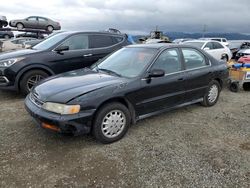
[131, 84]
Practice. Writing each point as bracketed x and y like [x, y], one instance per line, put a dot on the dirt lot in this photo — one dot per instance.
[190, 147]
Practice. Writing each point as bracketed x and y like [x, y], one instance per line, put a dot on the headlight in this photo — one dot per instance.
[61, 108]
[9, 62]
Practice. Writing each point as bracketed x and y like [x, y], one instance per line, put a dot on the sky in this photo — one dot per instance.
[137, 16]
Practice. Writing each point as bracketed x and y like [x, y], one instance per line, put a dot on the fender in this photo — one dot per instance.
[29, 67]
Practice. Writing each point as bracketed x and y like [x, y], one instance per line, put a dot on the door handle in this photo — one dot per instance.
[180, 79]
[87, 55]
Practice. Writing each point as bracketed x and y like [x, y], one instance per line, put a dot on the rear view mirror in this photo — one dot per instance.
[61, 48]
[207, 48]
[156, 73]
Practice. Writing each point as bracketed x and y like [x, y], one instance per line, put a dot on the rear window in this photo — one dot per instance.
[100, 41]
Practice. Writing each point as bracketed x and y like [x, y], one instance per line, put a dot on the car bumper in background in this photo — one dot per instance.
[77, 124]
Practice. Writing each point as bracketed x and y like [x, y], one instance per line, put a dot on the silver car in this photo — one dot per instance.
[36, 22]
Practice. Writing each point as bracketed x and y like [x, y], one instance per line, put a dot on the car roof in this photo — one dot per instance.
[159, 46]
[90, 32]
[199, 41]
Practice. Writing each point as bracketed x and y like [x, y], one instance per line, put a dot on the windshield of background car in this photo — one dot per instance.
[127, 62]
[50, 41]
[195, 44]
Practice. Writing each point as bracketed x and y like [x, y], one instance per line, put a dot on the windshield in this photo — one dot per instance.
[195, 44]
[127, 62]
[50, 41]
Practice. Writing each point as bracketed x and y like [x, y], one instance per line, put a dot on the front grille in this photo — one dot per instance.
[34, 97]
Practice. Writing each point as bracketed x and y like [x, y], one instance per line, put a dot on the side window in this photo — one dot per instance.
[42, 20]
[100, 41]
[209, 45]
[193, 58]
[77, 42]
[169, 61]
[217, 45]
[32, 18]
[224, 40]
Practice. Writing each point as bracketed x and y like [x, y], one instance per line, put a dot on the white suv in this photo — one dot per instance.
[221, 40]
[214, 48]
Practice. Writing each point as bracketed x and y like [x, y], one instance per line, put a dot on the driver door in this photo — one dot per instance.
[163, 92]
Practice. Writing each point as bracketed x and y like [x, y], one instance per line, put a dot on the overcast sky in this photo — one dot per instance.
[137, 16]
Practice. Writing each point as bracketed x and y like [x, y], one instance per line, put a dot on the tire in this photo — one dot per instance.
[224, 57]
[246, 86]
[1, 25]
[212, 94]
[31, 78]
[234, 86]
[19, 26]
[111, 112]
[50, 28]
[6, 36]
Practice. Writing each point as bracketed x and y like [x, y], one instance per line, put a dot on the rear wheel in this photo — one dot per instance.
[50, 28]
[19, 26]
[30, 79]
[111, 123]
[212, 94]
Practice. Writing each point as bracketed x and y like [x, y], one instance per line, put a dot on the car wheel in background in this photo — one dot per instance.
[234, 86]
[50, 28]
[30, 79]
[19, 26]
[212, 94]
[111, 123]
[224, 57]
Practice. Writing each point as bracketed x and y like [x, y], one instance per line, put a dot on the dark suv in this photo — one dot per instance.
[21, 70]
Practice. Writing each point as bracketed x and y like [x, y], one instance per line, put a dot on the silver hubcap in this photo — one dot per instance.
[213, 93]
[113, 123]
[19, 26]
[50, 28]
[33, 80]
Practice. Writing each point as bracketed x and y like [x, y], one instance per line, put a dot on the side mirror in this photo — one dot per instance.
[61, 48]
[156, 73]
[207, 48]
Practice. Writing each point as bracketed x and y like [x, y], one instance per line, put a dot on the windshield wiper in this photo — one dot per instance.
[108, 71]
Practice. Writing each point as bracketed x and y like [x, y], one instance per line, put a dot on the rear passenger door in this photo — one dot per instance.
[198, 71]
[218, 50]
[103, 45]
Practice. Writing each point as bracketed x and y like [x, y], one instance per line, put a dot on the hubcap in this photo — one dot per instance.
[113, 123]
[213, 93]
[33, 80]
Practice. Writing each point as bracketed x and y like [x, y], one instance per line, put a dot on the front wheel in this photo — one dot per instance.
[19, 26]
[50, 28]
[212, 94]
[111, 123]
[30, 79]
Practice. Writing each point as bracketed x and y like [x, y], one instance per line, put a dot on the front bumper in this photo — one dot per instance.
[77, 124]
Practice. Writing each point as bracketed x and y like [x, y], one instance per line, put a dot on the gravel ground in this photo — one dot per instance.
[189, 147]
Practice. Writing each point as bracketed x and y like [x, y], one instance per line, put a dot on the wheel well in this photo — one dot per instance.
[122, 101]
[51, 26]
[225, 55]
[220, 82]
[20, 78]
[19, 23]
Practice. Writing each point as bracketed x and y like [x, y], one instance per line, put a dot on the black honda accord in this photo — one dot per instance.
[131, 84]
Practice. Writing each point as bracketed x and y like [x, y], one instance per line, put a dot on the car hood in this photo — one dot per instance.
[67, 86]
[15, 54]
[244, 51]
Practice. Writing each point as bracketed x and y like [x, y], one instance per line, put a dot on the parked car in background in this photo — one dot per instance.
[31, 34]
[36, 22]
[31, 43]
[241, 53]
[13, 44]
[236, 45]
[62, 52]
[3, 21]
[221, 40]
[133, 83]
[214, 48]
[6, 34]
